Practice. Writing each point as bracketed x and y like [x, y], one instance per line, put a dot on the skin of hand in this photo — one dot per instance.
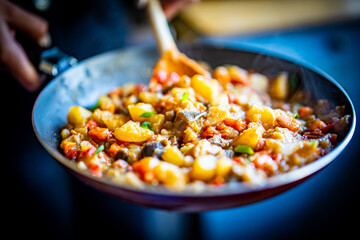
[12, 56]
[173, 7]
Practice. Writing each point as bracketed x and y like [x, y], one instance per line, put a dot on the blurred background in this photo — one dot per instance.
[42, 200]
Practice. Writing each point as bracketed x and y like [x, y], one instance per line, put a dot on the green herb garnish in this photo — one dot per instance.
[296, 115]
[147, 114]
[95, 106]
[184, 97]
[314, 143]
[244, 149]
[99, 150]
[277, 129]
[146, 125]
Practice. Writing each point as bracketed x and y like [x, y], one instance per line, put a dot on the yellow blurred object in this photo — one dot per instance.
[137, 110]
[250, 137]
[237, 17]
[279, 88]
[173, 155]
[204, 168]
[132, 132]
[77, 116]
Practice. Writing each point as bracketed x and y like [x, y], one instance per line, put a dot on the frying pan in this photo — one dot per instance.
[83, 83]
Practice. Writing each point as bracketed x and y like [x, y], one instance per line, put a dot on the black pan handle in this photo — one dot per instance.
[54, 61]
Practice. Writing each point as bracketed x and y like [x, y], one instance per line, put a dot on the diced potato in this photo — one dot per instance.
[134, 180]
[217, 114]
[78, 116]
[81, 130]
[85, 145]
[238, 75]
[137, 109]
[208, 89]
[184, 82]
[97, 116]
[149, 97]
[130, 101]
[189, 135]
[250, 137]
[222, 75]
[259, 82]
[221, 100]
[262, 114]
[283, 134]
[106, 104]
[284, 148]
[187, 148]
[170, 175]
[204, 168]
[65, 133]
[178, 93]
[128, 88]
[173, 155]
[115, 121]
[106, 118]
[157, 120]
[306, 154]
[224, 166]
[279, 88]
[132, 132]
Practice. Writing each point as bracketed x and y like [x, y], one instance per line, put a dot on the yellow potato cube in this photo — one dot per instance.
[136, 110]
[106, 104]
[238, 75]
[250, 137]
[217, 114]
[157, 121]
[173, 155]
[132, 132]
[221, 100]
[224, 166]
[115, 121]
[190, 135]
[178, 93]
[78, 116]
[204, 168]
[170, 175]
[149, 97]
[264, 115]
[208, 89]
[259, 82]
[279, 88]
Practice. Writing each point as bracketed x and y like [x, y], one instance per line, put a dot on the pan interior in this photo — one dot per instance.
[84, 83]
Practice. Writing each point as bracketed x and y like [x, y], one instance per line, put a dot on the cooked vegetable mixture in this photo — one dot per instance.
[191, 132]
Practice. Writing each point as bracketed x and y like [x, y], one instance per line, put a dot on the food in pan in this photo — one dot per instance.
[192, 132]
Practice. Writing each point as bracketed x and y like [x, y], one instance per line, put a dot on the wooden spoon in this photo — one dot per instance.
[172, 60]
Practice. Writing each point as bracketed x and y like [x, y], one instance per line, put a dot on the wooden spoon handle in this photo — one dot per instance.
[160, 27]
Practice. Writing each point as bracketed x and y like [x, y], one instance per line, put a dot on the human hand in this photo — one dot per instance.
[12, 56]
[171, 7]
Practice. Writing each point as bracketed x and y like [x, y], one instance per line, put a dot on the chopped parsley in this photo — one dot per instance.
[244, 149]
[147, 114]
[146, 125]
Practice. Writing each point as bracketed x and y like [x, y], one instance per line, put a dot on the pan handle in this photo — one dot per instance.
[54, 61]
